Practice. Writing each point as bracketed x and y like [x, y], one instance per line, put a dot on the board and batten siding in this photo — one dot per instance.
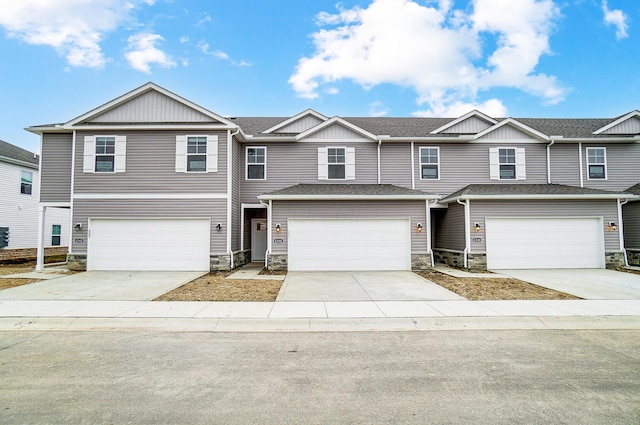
[298, 126]
[56, 167]
[289, 164]
[215, 209]
[150, 166]
[623, 166]
[607, 209]
[471, 125]
[449, 228]
[630, 126]
[565, 164]
[631, 215]
[152, 107]
[464, 164]
[414, 210]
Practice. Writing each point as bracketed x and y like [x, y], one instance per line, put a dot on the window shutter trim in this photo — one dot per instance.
[181, 154]
[89, 156]
[494, 164]
[212, 154]
[323, 170]
[350, 163]
[121, 154]
[521, 165]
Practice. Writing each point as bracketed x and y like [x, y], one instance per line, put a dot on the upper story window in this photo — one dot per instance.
[336, 163]
[597, 163]
[104, 154]
[256, 163]
[196, 154]
[56, 231]
[507, 164]
[429, 163]
[26, 182]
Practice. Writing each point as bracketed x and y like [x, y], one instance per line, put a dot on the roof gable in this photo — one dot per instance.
[626, 124]
[511, 129]
[336, 128]
[16, 155]
[472, 122]
[298, 123]
[149, 103]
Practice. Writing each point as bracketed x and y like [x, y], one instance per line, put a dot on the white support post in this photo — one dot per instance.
[42, 211]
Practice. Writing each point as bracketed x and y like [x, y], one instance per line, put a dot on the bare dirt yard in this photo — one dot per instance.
[22, 267]
[487, 288]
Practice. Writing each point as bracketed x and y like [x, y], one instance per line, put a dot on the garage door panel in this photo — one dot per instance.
[522, 243]
[149, 244]
[349, 244]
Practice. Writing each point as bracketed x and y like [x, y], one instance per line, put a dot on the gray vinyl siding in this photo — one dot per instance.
[607, 209]
[150, 166]
[623, 166]
[631, 215]
[395, 164]
[215, 209]
[415, 210]
[565, 164]
[300, 125]
[55, 174]
[235, 195]
[449, 230]
[152, 107]
[472, 125]
[291, 163]
[464, 164]
[630, 126]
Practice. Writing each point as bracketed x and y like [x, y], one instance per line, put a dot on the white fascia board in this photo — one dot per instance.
[159, 126]
[541, 197]
[340, 121]
[515, 123]
[450, 139]
[56, 204]
[347, 197]
[18, 162]
[262, 139]
[473, 113]
[150, 196]
[143, 89]
[618, 121]
[613, 139]
[296, 118]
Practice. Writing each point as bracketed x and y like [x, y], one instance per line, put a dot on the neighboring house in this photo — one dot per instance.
[631, 214]
[19, 206]
[156, 182]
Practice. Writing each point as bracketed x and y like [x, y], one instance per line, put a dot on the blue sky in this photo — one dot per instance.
[520, 58]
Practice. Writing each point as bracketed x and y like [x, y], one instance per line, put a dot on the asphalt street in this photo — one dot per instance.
[431, 377]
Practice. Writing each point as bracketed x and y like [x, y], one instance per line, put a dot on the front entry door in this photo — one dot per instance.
[258, 239]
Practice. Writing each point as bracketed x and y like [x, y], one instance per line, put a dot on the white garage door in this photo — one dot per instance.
[555, 243]
[357, 244]
[149, 245]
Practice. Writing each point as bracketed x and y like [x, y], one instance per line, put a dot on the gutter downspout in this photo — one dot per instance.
[73, 189]
[467, 229]
[230, 193]
[580, 159]
[428, 230]
[413, 168]
[41, 215]
[549, 161]
[621, 230]
[379, 176]
[266, 254]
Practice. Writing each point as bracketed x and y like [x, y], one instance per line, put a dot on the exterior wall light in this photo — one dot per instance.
[419, 227]
[476, 227]
[78, 227]
[218, 227]
[612, 226]
[278, 228]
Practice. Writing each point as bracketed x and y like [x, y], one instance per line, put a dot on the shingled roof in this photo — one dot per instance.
[532, 191]
[11, 152]
[635, 189]
[346, 191]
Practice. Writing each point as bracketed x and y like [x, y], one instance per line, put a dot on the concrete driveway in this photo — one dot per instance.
[361, 286]
[590, 284]
[102, 285]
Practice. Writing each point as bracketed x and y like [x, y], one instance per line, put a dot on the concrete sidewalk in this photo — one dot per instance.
[319, 316]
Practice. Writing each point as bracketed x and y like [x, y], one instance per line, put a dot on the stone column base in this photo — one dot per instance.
[614, 259]
[77, 262]
[420, 261]
[633, 257]
[277, 262]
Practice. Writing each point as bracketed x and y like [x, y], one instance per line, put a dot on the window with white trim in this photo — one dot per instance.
[104, 154]
[336, 163]
[26, 182]
[256, 167]
[56, 231]
[596, 163]
[196, 153]
[429, 163]
[507, 163]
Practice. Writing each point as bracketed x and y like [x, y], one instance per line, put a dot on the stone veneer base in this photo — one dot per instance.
[633, 257]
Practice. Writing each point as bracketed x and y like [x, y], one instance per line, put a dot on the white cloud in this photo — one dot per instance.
[617, 18]
[434, 49]
[492, 107]
[204, 48]
[204, 20]
[377, 109]
[142, 52]
[74, 28]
